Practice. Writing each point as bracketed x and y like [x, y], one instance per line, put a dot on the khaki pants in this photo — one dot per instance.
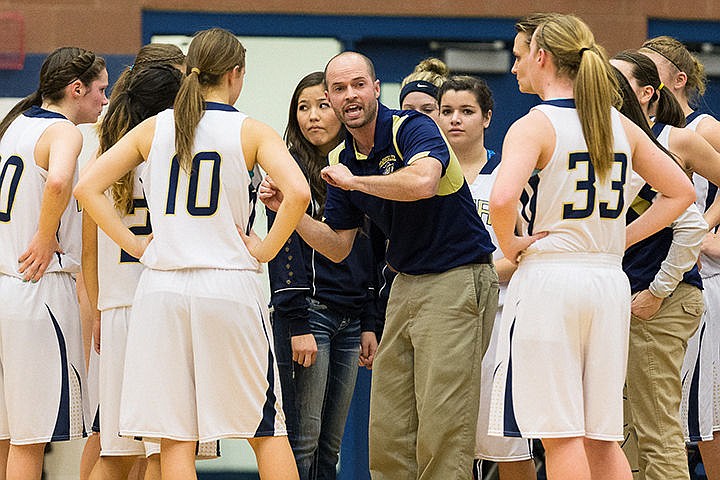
[654, 443]
[426, 377]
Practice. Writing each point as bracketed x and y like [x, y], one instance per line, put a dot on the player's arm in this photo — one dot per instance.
[699, 155]
[522, 152]
[665, 176]
[709, 129]
[89, 266]
[131, 150]
[262, 145]
[60, 144]
[505, 269]
[418, 180]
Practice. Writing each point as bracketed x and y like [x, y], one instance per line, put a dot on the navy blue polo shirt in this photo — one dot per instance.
[431, 235]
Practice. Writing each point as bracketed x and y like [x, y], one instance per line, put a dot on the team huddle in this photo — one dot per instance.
[566, 292]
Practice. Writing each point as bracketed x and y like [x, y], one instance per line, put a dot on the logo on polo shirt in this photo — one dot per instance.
[387, 165]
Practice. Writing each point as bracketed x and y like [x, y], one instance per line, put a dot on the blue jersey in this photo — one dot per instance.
[424, 236]
[642, 261]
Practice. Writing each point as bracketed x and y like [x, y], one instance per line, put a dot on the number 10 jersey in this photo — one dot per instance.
[194, 214]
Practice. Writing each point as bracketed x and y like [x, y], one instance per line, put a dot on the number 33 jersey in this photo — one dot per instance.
[195, 214]
[567, 197]
[22, 183]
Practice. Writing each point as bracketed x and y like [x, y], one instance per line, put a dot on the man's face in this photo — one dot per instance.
[351, 91]
[521, 52]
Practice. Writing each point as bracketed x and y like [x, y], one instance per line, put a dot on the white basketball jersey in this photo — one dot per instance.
[581, 213]
[22, 183]
[118, 271]
[705, 193]
[480, 190]
[195, 216]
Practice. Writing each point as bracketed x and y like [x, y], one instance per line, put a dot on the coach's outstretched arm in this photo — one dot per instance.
[416, 181]
[334, 244]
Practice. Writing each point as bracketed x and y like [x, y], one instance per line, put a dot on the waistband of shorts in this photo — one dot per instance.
[580, 259]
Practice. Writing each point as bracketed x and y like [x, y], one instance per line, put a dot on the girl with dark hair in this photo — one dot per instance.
[110, 274]
[466, 107]
[684, 75]
[666, 309]
[198, 306]
[321, 317]
[40, 235]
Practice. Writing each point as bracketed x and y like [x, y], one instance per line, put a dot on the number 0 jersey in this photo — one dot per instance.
[568, 200]
[194, 215]
[22, 183]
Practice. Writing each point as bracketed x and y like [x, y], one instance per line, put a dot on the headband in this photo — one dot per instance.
[628, 58]
[663, 55]
[418, 86]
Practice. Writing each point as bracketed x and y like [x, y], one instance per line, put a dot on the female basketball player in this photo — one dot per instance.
[667, 297]
[566, 312]
[40, 235]
[198, 305]
[419, 89]
[684, 75]
[148, 92]
[112, 129]
[466, 107]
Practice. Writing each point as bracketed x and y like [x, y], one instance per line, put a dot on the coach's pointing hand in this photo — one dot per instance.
[338, 176]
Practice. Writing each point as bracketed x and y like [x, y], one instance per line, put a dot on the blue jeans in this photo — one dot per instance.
[318, 398]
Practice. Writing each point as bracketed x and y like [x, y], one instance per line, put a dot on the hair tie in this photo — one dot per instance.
[195, 70]
[583, 50]
[660, 87]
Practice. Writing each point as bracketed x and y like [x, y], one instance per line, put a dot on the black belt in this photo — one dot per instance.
[485, 259]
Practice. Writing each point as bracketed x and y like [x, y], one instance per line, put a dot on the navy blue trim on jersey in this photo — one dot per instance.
[560, 102]
[493, 160]
[223, 107]
[689, 119]
[529, 202]
[711, 194]
[37, 112]
[62, 422]
[510, 426]
[266, 428]
[658, 128]
[694, 397]
[96, 421]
